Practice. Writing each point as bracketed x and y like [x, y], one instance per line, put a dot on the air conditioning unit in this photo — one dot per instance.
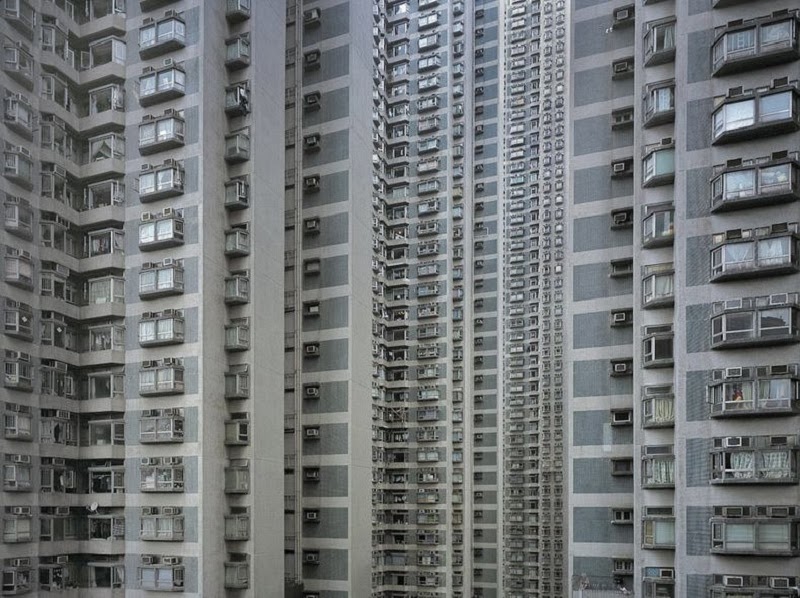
[170, 13]
[168, 261]
[733, 581]
[22, 458]
[21, 511]
[620, 368]
[781, 583]
[168, 62]
[170, 560]
[733, 511]
[148, 559]
[478, 494]
[312, 558]
[311, 392]
[733, 372]
[168, 212]
[619, 167]
[24, 562]
[622, 67]
[311, 17]
[147, 511]
[312, 432]
[59, 461]
[62, 560]
[311, 350]
[311, 141]
[171, 511]
[312, 516]
[732, 441]
[311, 183]
[63, 414]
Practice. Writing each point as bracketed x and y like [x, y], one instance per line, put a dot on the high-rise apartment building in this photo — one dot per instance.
[425, 203]
[140, 445]
[685, 301]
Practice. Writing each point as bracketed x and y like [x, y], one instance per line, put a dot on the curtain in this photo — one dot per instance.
[664, 285]
[773, 252]
[738, 253]
[775, 465]
[664, 410]
[662, 471]
[742, 464]
[149, 527]
[669, 37]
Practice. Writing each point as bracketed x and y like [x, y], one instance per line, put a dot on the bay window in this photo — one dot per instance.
[762, 251]
[762, 536]
[17, 371]
[161, 378]
[754, 460]
[161, 182]
[164, 230]
[237, 476]
[755, 321]
[108, 97]
[18, 167]
[237, 335]
[755, 43]
[753, 391]
[18, 217]
[161, 425]
[161, 524]
[237, 52]
[108, 146]
[161, 328]
[658, 467]
[104, 194]
[157, 280]
[658, 285]
[104, 51]
[658, 166]
[658, 226]
[658, 406]
[107, 477]
[158, 577]
[763, 113]
[105, 385]
[158, 134]
[659, 43]
[759, 181]
[162, 84]
[162, 36]
[162, 474]
[18, 319]
[657, 348]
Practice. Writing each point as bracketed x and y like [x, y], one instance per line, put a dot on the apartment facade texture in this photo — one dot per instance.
[684, 298]
[140, 451]
[425, 202]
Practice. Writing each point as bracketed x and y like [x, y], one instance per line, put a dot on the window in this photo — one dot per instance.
[162, 84]
[658, 406]
[237, 572]
[748, 390]
[161, 182]
[163, 279]
[658, 467]
[768, 250]
[237, 147]
[657, 346]
[762, 113]
[622, 466]
[237, 52]
[658, 166]
[659, 43]
[237, 524]
[18, 320]
[103, 99]
[658, 226]
[17, 371]
[105, 147]
[18, 115]
[162, 474]
[755, 43]
[744, 183]
[18, 217]
[104, 194]
[161, 524]
[160, 134]
[658, 528]
[753, 531]
[658, 285]
[237, 382]
[106, 337]
[237, 335]
[161, 425]
[237, 99]
[658, 582]
[237, 477]
[17, 473]
[104, 51]
[15, 530]
[162, 36]
[161, 328]
[17, 422]
[237, 288]
[18, 167]
[105, 385]
[237, 193]
[18, 63]
[161, 378]
[755, 321]
[160, 577]
[754, 460]
[166, 230]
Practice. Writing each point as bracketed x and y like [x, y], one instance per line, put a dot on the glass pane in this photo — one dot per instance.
[775, 107]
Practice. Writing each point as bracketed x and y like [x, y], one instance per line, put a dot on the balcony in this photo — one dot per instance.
[18, 371]
[756, 531]
[160, 182]
[756, 43]
[748, 391]
[237, 193]
[237, 99]
[18, 115]
[161, 36]
[237, 525]
[237, 571]
[18, 166]
[157, 231]
[237, 382]
[754, 460]
[237, 430]
[18, 320]
[756, 113]
[162, 84]
[157, 134]
[756, 321]
[756, 182]
[237, 477]
[237, 335]
[20, 15]
[237, 242]
[765, 251]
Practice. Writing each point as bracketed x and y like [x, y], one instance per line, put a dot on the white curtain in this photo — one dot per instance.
[773, 252]
[662, 471]
[664, 410]
[775, 465]
[742, 464]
